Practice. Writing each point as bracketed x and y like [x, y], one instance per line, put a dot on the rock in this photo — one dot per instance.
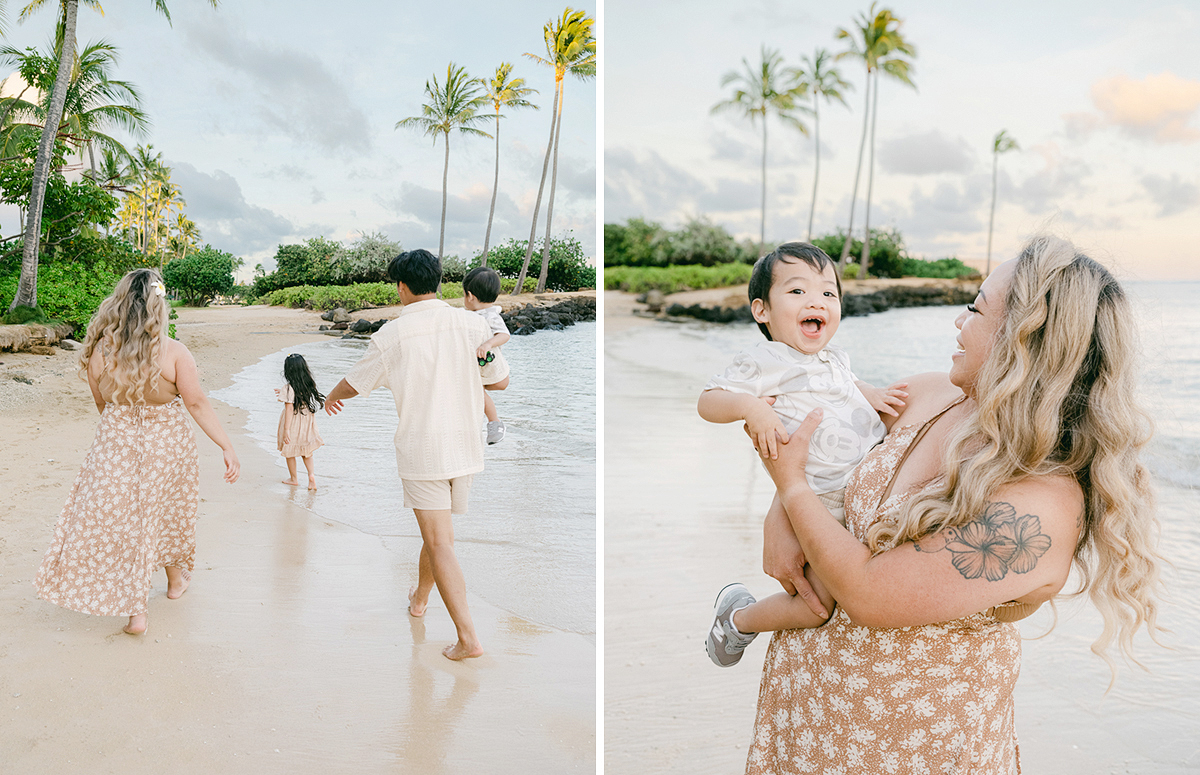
[70, 344]
[327, 315]
[654, 301]
[341, 325]
[323, 328]
[524, 331]
[41, 349]
[341, 316]
[360, 326]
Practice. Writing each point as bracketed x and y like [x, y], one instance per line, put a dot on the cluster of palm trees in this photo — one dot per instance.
[152, 214]
[77, 109]
[459, 100]
[769, 88]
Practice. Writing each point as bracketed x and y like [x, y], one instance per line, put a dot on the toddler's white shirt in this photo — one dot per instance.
[492, 316]
[800, 383]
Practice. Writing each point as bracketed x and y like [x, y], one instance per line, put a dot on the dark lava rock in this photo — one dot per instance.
[340, 326]
[360, 326]
[531, 318]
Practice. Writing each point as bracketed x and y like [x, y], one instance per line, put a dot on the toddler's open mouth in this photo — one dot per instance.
[812, 327]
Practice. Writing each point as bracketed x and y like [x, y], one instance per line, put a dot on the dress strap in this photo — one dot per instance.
[912, 445]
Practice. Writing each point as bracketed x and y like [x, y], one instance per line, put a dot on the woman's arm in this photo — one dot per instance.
[187, 382]
[94, 369]
[1020, 546]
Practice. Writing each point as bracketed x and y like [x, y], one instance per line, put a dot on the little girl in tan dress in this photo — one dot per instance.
[297, 434]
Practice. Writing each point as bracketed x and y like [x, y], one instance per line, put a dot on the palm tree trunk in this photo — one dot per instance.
[857, 170]
[541, 283]
[537, 205]
[865, 261]
[992, 217]
[762, 221]
[26, 295]
[812, 209]
[445, 181]
[487, 237]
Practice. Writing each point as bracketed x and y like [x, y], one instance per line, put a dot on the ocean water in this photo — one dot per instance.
[528, 542]
[705, 501]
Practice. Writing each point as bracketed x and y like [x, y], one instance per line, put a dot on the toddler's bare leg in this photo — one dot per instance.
[489, 407]
[291, 464]
[311, 468]
[782, 611]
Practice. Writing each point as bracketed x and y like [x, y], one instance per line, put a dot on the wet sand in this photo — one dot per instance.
[291, 652]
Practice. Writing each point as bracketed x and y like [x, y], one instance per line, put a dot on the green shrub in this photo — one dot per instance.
[201, 275]
[22, 315]
[947, 268]
[671, 279]
[644, 243]
[568, 269]
[64, 292]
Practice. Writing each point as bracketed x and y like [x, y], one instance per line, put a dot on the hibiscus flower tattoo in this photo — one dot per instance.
[991, 546]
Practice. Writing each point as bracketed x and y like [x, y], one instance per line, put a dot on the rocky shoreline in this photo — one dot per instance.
[521, 321]
[728, 305]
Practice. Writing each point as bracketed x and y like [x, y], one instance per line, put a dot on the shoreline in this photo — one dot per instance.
[235, 676]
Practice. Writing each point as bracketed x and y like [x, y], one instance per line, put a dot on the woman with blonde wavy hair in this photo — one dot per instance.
[992, 483]
[132, 509]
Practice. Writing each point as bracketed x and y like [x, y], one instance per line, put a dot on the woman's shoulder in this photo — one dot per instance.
[928, 394]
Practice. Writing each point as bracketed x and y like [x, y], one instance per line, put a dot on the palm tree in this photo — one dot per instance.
[570, 49]
[453, 105]
[1001, 143]
[26, 295]
[818, 77]
[186, 234]
[876, 42]
[93, 102]
[759, 92]
[503, 93]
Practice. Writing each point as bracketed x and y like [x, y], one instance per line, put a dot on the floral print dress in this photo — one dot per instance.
[131, 511]
[842, 698]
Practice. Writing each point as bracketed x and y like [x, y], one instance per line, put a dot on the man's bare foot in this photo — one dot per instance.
[292, 482]
[461, 651]
[137, 624]
[178, 585]
[413, 608]
[312, 483]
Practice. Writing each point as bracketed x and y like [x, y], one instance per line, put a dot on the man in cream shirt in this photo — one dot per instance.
[426, 357]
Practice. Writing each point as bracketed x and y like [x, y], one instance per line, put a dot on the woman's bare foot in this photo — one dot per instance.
[177, 583]
[137, 624]
[462, 651]
[292, 482]
[415, 609]
[312, 483]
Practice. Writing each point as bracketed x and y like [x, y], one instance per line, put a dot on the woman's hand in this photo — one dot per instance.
[233, 466]
[787, 466]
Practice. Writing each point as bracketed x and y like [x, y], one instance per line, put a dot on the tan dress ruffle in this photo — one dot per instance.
[305, 438]
[131, 511]
[843, 699]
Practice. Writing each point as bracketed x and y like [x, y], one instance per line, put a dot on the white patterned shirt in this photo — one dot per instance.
[491, 316]
[800, 383]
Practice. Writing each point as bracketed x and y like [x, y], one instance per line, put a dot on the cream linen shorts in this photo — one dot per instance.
[836, 503]
[437, 494]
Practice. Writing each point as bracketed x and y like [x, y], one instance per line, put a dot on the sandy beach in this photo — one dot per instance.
[291, 652]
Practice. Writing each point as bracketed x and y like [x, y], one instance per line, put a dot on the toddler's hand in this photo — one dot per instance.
[886, 400]
[765, 429]
[481, 352]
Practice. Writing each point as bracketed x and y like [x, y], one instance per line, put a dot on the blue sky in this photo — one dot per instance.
[1103, 98]
[278, 118]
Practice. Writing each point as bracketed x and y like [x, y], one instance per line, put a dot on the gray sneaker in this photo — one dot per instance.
[495, 431]
[724, 643]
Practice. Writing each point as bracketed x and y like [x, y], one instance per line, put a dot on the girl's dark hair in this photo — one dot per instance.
[295, 371]
[762, 276]
[482, 283]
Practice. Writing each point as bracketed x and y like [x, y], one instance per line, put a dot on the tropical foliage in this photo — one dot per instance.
[759, 92]
[570, 50]
[202, 276]
[818, 77]
[503, 91]
[1003, 142]
[643, 243]
[453, 104]
[567, 268]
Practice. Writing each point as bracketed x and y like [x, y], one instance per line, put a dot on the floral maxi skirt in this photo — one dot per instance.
[131, 511]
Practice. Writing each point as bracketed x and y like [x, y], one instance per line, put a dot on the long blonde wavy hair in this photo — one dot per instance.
[1057, 395]
[130, 328]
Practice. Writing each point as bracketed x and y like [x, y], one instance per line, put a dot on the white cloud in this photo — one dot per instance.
[925, 153]
[1172, 195]
[216, 203]
[1158, 107]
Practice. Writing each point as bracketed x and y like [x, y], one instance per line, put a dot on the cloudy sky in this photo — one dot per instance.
[277, 118]
[1103, 97]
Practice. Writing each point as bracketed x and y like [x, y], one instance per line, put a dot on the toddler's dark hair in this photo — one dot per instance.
[419, 269]
[306, 395]
[482, 283]
[763, 273]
